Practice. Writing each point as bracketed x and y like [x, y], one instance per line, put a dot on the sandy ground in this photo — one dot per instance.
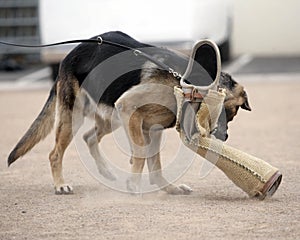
[217, 209]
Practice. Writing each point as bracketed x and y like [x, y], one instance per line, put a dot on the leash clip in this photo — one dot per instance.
[100, 40]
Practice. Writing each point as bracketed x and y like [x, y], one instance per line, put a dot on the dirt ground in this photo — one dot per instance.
[217, 209]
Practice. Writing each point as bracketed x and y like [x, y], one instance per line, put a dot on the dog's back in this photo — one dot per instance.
[107, 71]
[84, 64]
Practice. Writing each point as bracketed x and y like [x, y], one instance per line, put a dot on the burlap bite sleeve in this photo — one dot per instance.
[253, 175]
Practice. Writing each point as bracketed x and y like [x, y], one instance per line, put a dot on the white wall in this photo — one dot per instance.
[266, 27]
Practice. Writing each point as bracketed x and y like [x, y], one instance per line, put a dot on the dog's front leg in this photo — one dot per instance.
[156, 177]
[155, 171]
[139, 151]
[133, 182]
[132, 122]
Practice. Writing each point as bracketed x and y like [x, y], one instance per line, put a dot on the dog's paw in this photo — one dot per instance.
[107, 174]
[178, 190]
[63, 189]
[186, 189]
[132, 188]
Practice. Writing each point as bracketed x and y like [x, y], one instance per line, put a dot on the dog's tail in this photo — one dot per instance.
[38, 130]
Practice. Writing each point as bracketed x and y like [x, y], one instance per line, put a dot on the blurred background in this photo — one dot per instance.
[253, 36]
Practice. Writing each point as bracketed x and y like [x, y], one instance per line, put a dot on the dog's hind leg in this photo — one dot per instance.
[62, 140]
[66, 109]
[155, 171]
[93, 138]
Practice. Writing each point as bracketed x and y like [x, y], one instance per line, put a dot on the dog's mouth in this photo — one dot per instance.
[188, 122]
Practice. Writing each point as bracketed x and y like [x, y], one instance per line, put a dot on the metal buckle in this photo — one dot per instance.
[192, 98]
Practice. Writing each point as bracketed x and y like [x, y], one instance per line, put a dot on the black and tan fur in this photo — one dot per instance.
[70, 94]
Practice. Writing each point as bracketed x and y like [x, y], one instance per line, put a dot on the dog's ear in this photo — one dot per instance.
[246, 104]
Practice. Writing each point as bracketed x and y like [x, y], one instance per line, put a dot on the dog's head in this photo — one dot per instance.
[236, 97]
[203, 72]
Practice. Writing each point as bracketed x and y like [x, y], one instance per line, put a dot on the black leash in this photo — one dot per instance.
[101, 41]
[52, 44]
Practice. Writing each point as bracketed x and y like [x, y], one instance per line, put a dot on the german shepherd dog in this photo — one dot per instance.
[144, 82]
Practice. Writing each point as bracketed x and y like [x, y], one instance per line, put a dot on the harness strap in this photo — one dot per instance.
[193, 95]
